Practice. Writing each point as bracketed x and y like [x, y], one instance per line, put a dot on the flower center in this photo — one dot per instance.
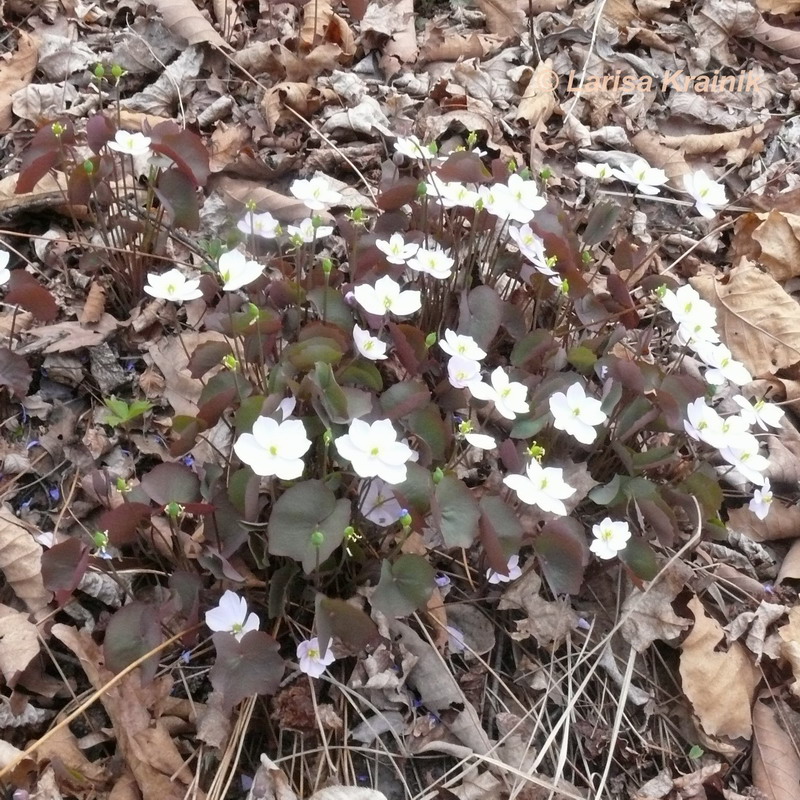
[273, 450]
[314, 654]
[236, 627]
[171, 288]
[576, 412]
[387, 302]
[375, 451]
[543, 484]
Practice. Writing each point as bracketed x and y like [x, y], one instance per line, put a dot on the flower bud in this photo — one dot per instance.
[430, 340]
[99, 71]
[405, 518]
[438, 475]
[88, 166]
[317, 538]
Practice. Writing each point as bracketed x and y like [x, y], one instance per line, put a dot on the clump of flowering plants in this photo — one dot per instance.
[465, 381]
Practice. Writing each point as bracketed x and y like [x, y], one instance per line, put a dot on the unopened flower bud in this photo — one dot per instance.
[173, 509]
[99, 71]
[317, 538]
[405, 518]
[430, 340]
[438, 475]
[117, 71]
[88, 166]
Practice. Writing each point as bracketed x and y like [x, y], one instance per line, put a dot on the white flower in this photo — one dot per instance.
[762, 500]
[231, 616]
[706, 193]
[310, 660]
[374, 451]
[647, 179]
[542, 486]
[463, 372]
[379, 504]
[723, 366]
[455, 639]
[5, 272]
[411, 147]
[686, 305]
[599, 172]
[450, 194]
[576, 413]
[765, 415]
[433, 262]
[525, 193]
[306, 231]
[706, 425]
[508, 396]
[694, 333]
[480, 440]
[458, 344]
[532, 248]
[173, 285]
[744, 456]
[369, 346]
[610, 538]
[514, 572]
[496, 200]
[316, 193]
[131, 144]
[386, 297]
[396, 249]
[236, 271]
[264, 225]
[274, 448]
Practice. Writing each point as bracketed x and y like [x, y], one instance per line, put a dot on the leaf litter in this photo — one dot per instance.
[703, 640]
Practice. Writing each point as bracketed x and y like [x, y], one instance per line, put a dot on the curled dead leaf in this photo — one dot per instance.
[16, 71]
[539, 100]
[756, 318]
[183, 18]
[94, 306]
[21, 562]
[776, 765]
[720, 685]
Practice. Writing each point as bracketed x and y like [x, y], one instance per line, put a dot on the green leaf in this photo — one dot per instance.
[704, 485]
[456, 512]
[582, 358]
[404, 586]
[416, 490]
[640, 558]
[300, 512]
[500, 531]
[361, 372]
[601, 222]
[304, 355]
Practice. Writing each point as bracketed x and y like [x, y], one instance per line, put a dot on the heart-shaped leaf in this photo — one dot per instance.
[308, 524]
[131, 633]
[404, 586]
[252, 666]
[456, 512]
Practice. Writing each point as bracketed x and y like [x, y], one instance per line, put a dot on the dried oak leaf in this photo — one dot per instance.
[21, 562]
[94, 306]
[776, 766]
[756, 318]
[648, 613]
[184, 19]
[782, 522]
[16, 71]
[790, 646]
[19, 643]
[720, 685]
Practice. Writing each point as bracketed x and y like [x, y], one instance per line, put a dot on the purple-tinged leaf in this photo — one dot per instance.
[133, 632]
[184, 147]
[602, 221]
[252, 666]
[99, 131]
[640, 558]
[563, 554]
[177, 192]
[63, 566]
[500, 531]
[43, 153]
[123, 522]
[26, 291]
[15, 372]
[482, 313]
[171, 483]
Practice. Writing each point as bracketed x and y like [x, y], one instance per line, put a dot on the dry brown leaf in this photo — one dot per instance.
[779, 6]
[63, 746]
[778, 236]
[720, 685]
[655, 150]
[756, 318]
[63, 337]
[184, 19]
[21, 562]
[782, 40]
[316, 16]
[503, 18]
[401, 48]
[776, 765]
[648, 615]
[738, 145]
[782, 522]
[94, 306]
[19, 643]
[347, 793]
[539, 101]
[338, 35]
[160, 771]
[445, 46]
[270, 783]
[790, 566]
[790, 646]
[16, 71]
[302, 98]
[237, 192]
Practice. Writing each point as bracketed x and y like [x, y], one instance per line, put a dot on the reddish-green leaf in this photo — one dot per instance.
[177, 192]
[455, 512]
[252, 666]
[339, 618]
[122, 522]
[185, 148]
[63, 566]
[171, 483]
[26, 291]
[133, 632]
[563, 554]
